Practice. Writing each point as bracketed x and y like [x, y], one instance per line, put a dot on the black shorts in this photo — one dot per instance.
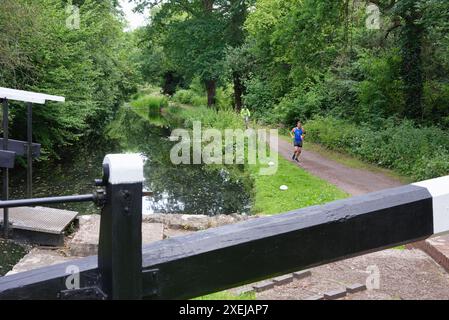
[298, 144]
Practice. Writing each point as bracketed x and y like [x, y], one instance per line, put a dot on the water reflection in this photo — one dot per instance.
[189, 189]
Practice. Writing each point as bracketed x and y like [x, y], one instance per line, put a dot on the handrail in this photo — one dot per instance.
[48, 200]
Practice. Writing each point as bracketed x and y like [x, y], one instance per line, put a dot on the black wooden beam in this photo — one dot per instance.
[233, 255]
[21, 147]
[119, 251]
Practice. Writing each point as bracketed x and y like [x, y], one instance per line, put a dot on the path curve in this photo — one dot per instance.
[351, 180]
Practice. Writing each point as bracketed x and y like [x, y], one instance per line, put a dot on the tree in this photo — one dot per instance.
[91, 66]
[406, 16]
[237, 54]
[191, 34]
[194, 36]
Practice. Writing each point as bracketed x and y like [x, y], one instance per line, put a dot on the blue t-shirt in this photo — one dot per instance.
[298, 135]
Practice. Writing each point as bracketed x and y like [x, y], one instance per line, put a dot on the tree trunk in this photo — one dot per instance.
[239, 89]
[411, 42]
[208, 5]
[412, 69]
[211, 87]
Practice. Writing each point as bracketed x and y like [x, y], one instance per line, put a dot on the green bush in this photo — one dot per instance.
[153, 104]
[196, 95]
[431, 166]
[418, 152]
[183, 96]
[198, 101]
[190, 97]
[259, 99]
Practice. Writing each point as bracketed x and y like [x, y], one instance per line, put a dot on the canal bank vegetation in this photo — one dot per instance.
[152, 105]
[227, 295]
[14, 251]
[418, 153]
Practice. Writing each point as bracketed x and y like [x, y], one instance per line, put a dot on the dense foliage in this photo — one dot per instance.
[43, 49]
[300, 58]
[319, 57]
[377, 68]
[418, 153]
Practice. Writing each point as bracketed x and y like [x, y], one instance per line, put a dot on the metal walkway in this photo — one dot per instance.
[40, 225]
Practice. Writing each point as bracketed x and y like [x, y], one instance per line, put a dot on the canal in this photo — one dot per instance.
[186, 189]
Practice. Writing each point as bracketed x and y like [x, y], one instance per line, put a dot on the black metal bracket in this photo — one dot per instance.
[150, 283]
[88, 293]
[100, 198]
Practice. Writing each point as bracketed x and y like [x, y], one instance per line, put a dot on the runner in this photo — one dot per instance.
[297, 135]
[245, 113]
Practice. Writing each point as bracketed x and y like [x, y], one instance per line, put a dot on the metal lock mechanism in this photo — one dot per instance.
[100, 192]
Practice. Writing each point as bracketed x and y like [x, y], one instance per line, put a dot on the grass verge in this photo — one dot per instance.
[304, 189]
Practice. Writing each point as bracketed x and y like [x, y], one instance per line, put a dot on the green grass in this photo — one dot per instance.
[226, 295]
[10, 254]
[304, 189]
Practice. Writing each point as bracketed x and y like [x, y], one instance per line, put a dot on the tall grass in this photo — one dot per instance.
[197, 97]
[150, 103]
[189, 97]
[221, 119]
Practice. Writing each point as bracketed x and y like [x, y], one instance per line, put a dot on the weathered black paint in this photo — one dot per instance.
[120, 248]
[230, 256]
[225, 257]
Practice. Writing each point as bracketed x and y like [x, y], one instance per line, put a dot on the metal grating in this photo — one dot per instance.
[40, 219]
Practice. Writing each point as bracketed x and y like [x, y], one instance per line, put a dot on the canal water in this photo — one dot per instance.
[187, 189]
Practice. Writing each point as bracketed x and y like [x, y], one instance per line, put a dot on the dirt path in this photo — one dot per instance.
[353, 181]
